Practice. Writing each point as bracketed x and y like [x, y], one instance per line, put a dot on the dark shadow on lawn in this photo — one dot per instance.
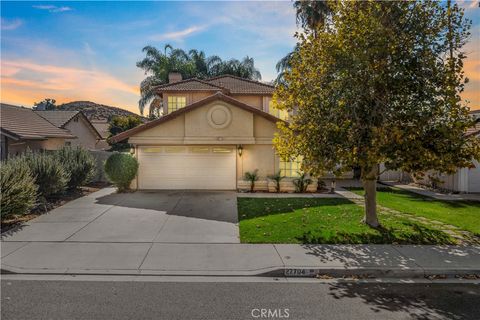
[459, 301]
[421, 235]
[209, 205]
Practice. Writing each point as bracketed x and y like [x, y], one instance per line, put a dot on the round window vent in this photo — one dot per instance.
[219, 117]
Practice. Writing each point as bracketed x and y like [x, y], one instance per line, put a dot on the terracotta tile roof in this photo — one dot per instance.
[59, 118]
[24, 123]
[189, 85]
[238, 85]
[102, 127]
[226, 84]
[217, 96]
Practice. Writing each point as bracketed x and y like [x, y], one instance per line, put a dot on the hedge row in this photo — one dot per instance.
[33, 178]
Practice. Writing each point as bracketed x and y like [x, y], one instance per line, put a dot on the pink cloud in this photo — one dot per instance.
[24, 80]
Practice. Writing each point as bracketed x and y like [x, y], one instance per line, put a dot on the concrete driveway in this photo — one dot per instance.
[139, 217]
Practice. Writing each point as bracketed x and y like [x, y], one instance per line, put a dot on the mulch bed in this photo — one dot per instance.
[51, 204]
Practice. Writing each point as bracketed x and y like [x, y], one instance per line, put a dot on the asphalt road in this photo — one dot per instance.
[39, 299]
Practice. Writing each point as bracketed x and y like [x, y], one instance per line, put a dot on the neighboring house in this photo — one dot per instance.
[102, 126]
[22, 128]
[465, 180]
[77, 124]
[211, 132]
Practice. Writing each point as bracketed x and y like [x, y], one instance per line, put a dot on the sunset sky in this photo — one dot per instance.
[87, 50]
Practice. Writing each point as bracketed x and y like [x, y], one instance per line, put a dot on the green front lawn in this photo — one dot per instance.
[462, 214]
[314, 220]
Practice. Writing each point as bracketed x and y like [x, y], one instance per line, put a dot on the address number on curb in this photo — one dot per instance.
[299, 272]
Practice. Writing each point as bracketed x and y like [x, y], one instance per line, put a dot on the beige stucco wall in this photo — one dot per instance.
[86, 138]
[261, 157]
[252, 100]
[170, 132]
[18, 147]
[197, 127]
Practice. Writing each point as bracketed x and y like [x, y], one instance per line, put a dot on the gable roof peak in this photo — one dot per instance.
[191, 84]
[214, 97]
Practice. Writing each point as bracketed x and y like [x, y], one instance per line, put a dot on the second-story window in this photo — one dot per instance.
[281, 114]
[175, 103]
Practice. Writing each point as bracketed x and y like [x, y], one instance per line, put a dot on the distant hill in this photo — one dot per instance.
[96, 111]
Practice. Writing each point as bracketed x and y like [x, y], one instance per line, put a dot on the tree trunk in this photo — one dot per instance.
[369, 181]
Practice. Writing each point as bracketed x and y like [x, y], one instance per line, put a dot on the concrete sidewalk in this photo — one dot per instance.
[237, 259]
[433, 194]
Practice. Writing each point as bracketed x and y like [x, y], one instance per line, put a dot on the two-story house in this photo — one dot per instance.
[211, 132]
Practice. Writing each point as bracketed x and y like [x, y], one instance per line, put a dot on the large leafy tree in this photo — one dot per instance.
[119, 124]
[380, 83]
[157, 65]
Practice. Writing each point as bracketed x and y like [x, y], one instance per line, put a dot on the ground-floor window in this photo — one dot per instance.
[291, 168]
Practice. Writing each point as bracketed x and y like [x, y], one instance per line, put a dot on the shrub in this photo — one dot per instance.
[79, 164]
[18, 192]
[277, 177]
[252, 177]
[120, 169]
[50, 176]
[301, 183]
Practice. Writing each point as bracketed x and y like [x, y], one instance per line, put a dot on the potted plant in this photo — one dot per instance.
[277, 178]
[301, 183]
[251, 177]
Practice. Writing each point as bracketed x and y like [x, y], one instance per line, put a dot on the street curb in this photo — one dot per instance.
[369, 273]
[297, 272]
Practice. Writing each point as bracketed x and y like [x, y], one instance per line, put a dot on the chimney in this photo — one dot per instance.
[174, 77]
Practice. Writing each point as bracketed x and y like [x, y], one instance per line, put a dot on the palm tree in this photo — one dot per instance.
[157, 65]
[311, 15]
[284, 65]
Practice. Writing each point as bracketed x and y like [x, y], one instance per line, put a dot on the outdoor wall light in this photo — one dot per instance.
[132, 150]
[240, 150]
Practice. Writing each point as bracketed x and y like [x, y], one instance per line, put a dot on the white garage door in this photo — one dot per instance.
[187, 167]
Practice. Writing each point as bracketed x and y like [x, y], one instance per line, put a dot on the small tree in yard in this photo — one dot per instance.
[379, 82]
[252, 177]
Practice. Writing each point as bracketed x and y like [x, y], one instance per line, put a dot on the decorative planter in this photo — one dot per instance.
[260, 185]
